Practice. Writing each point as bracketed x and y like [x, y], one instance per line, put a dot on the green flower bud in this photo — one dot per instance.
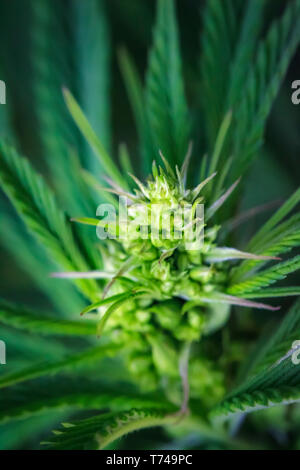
[188, 288]
[206, 381]
[152, 329]
[182, 261]
[167, 287]
[186, 332]
[211, 233]
[143, 303]
[144, 250]
[204, 275]
[195, 257]
[209, 287]
[128, 306]
[133, 323]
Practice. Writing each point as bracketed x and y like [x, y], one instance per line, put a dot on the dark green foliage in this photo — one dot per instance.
[57, 394]
[99, 431]
[165, 101]
[38, 208]
[70, 45]
[15, 316]
[273, 377]
[155, 332]
[44, 368]
[229, 81]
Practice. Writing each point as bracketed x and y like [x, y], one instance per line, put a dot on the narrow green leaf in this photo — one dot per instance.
[108, 300]
[67, 394]
[220, 142]
[81, 359]
[219, 203]
[101, 430]
[279, 215]
[89, 221]
[219, 38]
[30, 257]
[221, 298]
[125, 160]
[136, 96]
[220, 254]
[86, 129]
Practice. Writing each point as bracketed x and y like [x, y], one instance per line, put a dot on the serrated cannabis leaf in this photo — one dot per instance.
[136, 96]
[272, 377]
[166, 107]
[37, 206]
[36, 322]
[268, 228]
[277, 385]
[279, 343]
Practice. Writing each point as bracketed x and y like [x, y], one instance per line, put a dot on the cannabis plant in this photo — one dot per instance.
[153, 292]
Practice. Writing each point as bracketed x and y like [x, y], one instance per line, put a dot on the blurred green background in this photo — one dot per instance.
[129, 22]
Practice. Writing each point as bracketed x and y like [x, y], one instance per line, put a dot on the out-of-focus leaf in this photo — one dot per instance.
[92, 55]
[25, 400]
[100, 430]
[106, 161]
[23, 319]
[50, 368]
[273, 378]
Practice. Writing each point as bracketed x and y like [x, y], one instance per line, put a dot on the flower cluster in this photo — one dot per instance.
[168, 278]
